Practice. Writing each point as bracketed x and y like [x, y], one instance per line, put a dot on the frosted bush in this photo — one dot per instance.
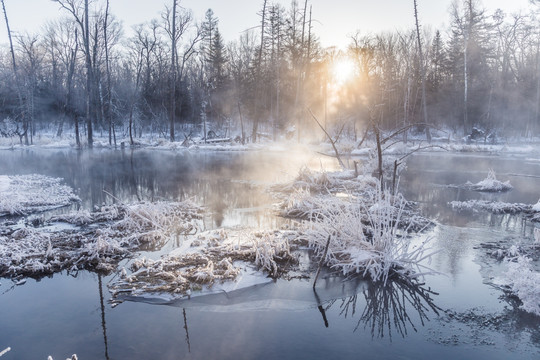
[368, 237]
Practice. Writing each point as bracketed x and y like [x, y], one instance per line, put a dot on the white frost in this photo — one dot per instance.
[524, 282]
[536, 207]
[490, 184]
[25, 194]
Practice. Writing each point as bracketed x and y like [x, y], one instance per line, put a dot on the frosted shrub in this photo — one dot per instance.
[367, 237]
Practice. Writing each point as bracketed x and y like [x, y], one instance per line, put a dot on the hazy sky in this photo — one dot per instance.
[335, 19]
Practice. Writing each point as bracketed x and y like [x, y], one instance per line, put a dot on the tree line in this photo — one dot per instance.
[176, 77]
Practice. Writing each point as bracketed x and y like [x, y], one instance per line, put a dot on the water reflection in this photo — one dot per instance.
[389, 308]
[103, 323]
[187, 330]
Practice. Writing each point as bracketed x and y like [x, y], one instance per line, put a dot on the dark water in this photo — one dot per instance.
[465, 318]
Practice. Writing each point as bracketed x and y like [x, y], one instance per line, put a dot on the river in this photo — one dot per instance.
[458, 313]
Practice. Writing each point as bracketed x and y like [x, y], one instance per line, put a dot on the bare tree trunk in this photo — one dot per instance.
[108, 69]
[89, 75]
[259, 77]
[69, 105]
[173, 72]
[422, 74]
[241, 124]
[15, 73]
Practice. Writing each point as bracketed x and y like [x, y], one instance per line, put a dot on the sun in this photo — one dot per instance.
[343, 70]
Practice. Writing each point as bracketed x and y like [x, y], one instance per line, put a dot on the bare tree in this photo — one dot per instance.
[24, 132]
[422, 72]
[177, 24]
[80, 12]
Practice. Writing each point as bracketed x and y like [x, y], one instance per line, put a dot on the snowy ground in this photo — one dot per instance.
[442, 141]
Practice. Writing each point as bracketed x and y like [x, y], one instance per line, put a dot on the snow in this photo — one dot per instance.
[497, 207]
[205, 262]
[536, 207]
[524, 282]
[25, 194]
[73, 357]
[490, 184]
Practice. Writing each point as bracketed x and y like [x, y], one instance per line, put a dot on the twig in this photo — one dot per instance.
[322, 261]
[329, 138]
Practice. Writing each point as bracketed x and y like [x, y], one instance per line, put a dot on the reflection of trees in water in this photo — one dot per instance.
[389, 307]
[103, 322]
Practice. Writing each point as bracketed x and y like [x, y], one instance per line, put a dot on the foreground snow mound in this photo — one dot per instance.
[114, 232]
[490, 184]
[524, 282]
[213, 257]
[25, 194]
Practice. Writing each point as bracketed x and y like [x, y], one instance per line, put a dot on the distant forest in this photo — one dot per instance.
[177, 77]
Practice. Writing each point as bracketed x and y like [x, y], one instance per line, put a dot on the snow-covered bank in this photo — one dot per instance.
[25, 194]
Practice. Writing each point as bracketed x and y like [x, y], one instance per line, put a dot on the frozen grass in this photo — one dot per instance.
[115, 232]
[368, 227]
[530, 212]
[212, 257]
[25, 194]
[496, 207]
[490, 184]
[324, 182]
[368, 236]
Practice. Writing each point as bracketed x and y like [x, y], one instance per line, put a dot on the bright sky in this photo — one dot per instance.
[335, 20]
